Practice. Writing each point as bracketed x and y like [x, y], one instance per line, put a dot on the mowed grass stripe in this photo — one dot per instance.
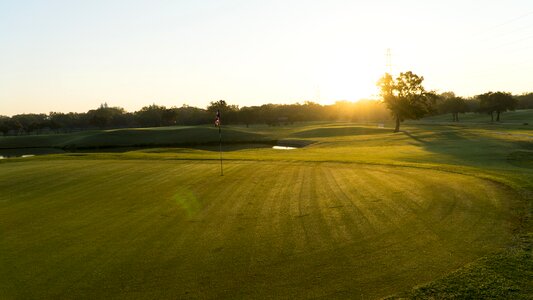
[453, 210]
[171, 229]
[347, 223]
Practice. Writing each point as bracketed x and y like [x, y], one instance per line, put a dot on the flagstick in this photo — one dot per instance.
[220, 136]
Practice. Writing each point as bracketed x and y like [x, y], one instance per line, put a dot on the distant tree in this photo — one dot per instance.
[170, 116]
[486, 104]
[105, 116]
[4, 124]
[525, 101]
[472, 104]
[13, 125]
[217, 105]
[188, 115]
[230, 112]
[405, 96]
[28, 123]
[248, 115]
[504, 102]
[498, 102]
[121, 118]
[360, 111]
[452, 104]
[150, 116]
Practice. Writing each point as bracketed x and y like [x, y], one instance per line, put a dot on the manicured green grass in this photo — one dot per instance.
[358, 213]
[103, 228]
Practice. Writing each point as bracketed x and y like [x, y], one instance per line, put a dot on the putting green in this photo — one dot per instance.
[170, 229]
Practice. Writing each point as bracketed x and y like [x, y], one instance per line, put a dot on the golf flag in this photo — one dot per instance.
[217, 119]
[217, 124]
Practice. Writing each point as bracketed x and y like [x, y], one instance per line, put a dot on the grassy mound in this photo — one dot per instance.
[141, 137]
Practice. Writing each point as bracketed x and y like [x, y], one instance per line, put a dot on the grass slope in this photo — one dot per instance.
[164, 136]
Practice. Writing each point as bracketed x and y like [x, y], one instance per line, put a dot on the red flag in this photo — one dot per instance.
[217, 119]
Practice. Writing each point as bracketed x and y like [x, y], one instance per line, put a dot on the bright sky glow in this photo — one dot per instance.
[73, 55]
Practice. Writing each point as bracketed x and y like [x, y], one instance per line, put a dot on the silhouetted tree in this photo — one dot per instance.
[497, 102]
[150, 116]
[525, 101]
[405, 96]
[248, 115]
[452, 104]
[170, 116]
[230, 112]
[4, 124]
[28, 123]
[188, 115]
[105, 116]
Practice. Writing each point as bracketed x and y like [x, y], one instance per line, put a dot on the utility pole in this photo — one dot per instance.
[388, 61]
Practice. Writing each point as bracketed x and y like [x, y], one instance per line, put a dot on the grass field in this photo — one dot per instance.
[435, 211]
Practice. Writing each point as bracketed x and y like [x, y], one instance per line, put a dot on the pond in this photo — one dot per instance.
[283, 148]
[16, 156]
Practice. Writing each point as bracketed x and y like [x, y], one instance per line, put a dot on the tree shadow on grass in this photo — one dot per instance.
[464, 147]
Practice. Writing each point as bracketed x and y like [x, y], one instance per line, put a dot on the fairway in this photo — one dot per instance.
[111, 228]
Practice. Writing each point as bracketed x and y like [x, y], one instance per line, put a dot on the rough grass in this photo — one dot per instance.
[507, 275]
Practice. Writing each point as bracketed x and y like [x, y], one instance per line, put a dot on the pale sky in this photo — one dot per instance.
[73, 55]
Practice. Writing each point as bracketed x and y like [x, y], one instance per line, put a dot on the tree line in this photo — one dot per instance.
[108, 117]
[403, 98]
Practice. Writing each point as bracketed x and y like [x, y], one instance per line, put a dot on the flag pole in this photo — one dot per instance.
[218, 124]
[220, 149]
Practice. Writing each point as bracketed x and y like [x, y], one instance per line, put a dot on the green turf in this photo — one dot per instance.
[359, 212]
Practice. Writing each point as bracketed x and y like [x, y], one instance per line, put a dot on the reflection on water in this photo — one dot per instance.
[283, 148]
[15, 156]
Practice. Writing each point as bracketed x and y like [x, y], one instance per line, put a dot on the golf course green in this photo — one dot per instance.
[438, 210]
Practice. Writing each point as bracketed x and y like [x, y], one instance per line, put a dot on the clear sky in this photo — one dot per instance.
[73, 55]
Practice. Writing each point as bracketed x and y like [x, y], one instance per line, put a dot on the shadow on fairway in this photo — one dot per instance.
[521, 159]
[466, 147]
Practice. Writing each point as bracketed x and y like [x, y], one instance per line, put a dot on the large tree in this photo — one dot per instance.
[405, 96]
